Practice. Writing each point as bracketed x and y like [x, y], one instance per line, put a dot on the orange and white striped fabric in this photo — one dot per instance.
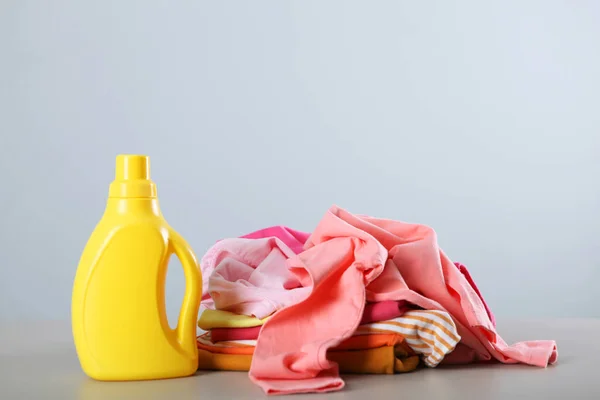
[430, 333]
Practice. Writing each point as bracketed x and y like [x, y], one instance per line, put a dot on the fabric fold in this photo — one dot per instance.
[225, 334]
[210, 319]
[463, 270]
[383, 311]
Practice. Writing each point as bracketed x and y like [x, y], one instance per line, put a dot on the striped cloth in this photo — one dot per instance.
[429, 333]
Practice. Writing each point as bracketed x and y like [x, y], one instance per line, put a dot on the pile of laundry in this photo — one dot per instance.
[357, 295]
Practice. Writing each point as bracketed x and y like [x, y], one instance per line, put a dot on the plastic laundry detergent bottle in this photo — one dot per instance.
[118, 310]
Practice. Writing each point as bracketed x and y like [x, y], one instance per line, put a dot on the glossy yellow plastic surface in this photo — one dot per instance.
[118, 310]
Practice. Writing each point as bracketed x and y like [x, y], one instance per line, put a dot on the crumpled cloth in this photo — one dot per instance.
[349, 260]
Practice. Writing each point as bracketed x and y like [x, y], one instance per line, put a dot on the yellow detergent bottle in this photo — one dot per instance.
[118, 311]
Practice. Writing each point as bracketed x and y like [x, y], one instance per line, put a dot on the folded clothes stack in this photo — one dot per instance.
[389, 339]
[357, 295]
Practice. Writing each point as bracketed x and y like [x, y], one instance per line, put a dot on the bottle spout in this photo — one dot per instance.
[132, 178]
[131, 167]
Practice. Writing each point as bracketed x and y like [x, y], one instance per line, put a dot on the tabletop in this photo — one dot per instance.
[38, 360]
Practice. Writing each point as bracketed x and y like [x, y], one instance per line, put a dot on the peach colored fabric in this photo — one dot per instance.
[348, 260]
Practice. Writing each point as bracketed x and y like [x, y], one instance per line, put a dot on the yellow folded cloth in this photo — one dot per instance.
[210, 319]
[380, 360]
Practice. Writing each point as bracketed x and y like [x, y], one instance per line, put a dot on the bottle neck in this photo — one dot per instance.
[137, 205]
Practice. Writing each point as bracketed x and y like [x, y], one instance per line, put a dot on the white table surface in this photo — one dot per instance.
[38, 361]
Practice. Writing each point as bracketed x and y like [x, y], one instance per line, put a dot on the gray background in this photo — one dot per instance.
[480, 120]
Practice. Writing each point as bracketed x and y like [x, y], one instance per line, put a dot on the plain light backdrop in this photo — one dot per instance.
[480, 119]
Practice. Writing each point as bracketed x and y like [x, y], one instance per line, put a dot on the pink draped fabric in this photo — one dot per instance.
[349, 260]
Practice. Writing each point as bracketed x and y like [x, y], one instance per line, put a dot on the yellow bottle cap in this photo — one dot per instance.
[132, 177]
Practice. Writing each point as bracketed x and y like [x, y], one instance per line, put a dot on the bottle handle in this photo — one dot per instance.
[188, 315]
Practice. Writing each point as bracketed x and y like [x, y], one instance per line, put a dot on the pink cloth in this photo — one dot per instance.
[226, 334]
[383, 311]
[292, 238]
[249, 276]
[226, 251]
[374, 312]
[349, 260]
[461, 355]
[463, 270]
